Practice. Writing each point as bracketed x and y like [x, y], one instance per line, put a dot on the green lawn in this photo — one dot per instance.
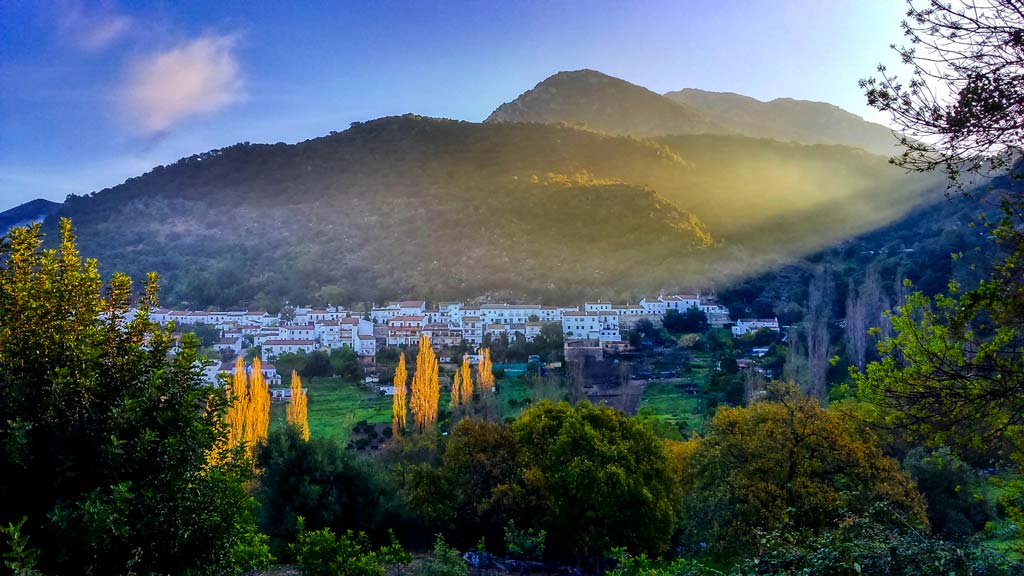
[335, 405]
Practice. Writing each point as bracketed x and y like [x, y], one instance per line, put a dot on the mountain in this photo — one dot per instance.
[442, 209]
[29, 212]
[788, 120]
[600, 102]
[604, 103]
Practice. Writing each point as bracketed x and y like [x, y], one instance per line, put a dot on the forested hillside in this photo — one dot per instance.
[444, 209]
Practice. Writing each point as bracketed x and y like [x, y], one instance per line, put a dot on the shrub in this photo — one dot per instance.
[445, 561]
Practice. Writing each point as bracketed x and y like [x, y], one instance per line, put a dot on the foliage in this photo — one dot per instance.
[525, 544]
[692, 320]
[319, 481]
[951, 374]
[485, 372]
[445, 561]
[398, 401]
[248, 416]
[324, 553]
[957, 508]
[425, 387]
[471, 493]
[858, 545]
[296, 413]
[20, 558]
[107, 437]
[785, 460]
[642, 565]
[593, 479]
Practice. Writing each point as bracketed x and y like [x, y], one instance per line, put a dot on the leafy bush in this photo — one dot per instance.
[525, 544]
[859, 545]
[322, 553]
[445, 561]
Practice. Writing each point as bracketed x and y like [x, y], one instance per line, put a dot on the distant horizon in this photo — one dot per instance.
[105, 93]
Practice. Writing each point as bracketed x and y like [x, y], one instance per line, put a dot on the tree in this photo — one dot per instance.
[398, 408]
[296, 411]
[321, 482]
[258, 414]
[820, 298]
[466, 379]
[594, 479]
[786, 462]
[952, 374]
[426, 390]
[318, 365]
[106, 435]
[961, 109]
[485, 372]
[456, 399]
[470, 494]
[692, 320]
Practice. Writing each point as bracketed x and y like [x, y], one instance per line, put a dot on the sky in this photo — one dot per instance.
[93, 93]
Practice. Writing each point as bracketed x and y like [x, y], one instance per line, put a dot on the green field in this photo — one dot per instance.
[335, 405]
[669, 401]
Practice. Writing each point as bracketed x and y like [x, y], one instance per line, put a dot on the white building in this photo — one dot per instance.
[274, 348]
[747, 325]
[600, 326]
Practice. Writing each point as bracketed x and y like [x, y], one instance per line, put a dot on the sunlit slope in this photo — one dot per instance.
[788, 197]
[408, 205]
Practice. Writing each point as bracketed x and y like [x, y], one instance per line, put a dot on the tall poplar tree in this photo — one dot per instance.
[485, 372]
[426, 390]
[466, 381]
[296, 412]
[398, 401]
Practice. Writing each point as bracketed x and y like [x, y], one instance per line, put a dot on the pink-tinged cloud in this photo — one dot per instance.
[94, 31]
[195, 78]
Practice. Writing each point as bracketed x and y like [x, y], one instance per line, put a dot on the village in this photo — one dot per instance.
[589, 332]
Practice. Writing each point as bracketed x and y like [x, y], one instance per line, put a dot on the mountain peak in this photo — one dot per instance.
[603, 103]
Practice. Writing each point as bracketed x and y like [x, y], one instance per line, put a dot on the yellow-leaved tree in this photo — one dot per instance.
[426, 390]
[296, 412]
[259, 405]
[466, 381]
[485, 372]
[239, 395]
[248, 417]
[398, 407]
[456, 390]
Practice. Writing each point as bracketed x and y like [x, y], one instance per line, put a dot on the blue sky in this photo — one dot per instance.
[94, 93]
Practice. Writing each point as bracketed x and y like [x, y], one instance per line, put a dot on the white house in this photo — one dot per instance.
[233, 345]
[747, 325]
[601, 326]
[274, 348]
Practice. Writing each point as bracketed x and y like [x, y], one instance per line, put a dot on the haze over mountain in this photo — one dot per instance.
[443, 209]
[601, 102]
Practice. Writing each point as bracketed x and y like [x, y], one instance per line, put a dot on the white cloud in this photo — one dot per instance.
[197, 77]
[92, 32]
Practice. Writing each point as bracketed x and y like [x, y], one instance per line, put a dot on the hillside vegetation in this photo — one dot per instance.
[445, 209]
